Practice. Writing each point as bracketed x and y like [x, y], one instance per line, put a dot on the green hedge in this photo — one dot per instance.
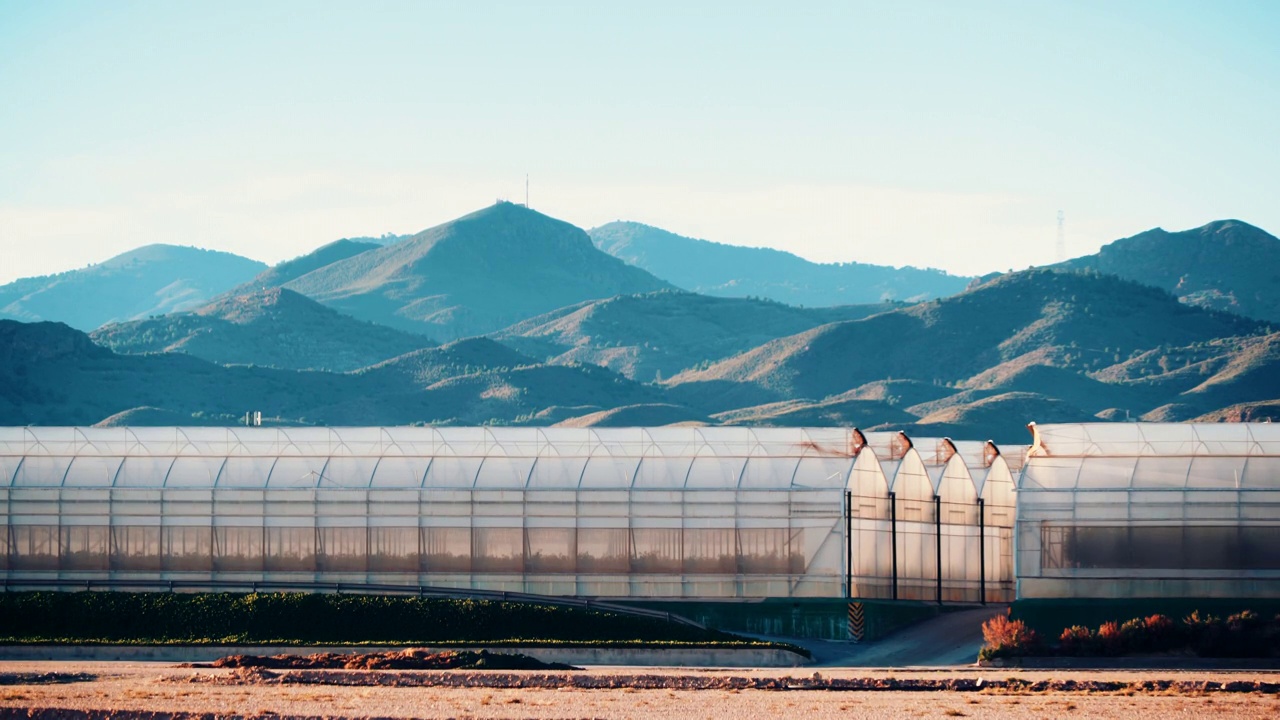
[124, 617]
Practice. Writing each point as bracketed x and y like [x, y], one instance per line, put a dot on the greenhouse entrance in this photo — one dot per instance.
[929, 523]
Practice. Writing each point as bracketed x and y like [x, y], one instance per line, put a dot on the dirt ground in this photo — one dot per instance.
[126, 691]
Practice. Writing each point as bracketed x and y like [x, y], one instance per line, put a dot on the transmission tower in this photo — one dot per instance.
[1062, 237]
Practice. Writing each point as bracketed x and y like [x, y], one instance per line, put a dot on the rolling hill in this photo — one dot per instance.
[423, 368]
[51, 374]
[845, 410]
[649, 415]
[1224, 265]
[289, 270]
[275, 328]
[150, 280]
[1002, 418]
[722, 270]
[1090, 319]
[655, 335]
[477, 274]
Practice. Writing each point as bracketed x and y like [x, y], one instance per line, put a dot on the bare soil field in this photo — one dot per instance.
[128, 691]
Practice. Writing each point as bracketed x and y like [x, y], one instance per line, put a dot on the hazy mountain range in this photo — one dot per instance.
[732, 271]
[151, 280]
[557, 331]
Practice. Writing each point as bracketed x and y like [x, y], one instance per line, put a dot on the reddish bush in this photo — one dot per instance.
[1078, 641]
[1161, 634]
[1110, 639]
[1007, 638]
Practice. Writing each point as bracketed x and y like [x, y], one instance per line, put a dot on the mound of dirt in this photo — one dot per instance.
[409, 659]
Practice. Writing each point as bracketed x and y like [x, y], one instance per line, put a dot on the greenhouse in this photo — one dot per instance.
[672, 512]
[1115, 510]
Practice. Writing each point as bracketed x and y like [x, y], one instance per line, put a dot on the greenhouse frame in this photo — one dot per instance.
[709, 513]
[1124, 510]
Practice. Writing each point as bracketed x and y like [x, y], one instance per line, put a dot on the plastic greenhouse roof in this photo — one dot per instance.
[411, 457]
[1155, 439]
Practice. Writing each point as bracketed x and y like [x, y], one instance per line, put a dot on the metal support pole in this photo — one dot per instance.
[893, 539]
[982, 551]
[848, 544]
[937, 532]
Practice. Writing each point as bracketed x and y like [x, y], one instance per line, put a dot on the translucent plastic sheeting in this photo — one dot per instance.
[1140, 439]
[626, 512]
[924, 509]
[1120, 510]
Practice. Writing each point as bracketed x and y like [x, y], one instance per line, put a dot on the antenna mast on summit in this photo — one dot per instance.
[1062, 237]
[526, 190]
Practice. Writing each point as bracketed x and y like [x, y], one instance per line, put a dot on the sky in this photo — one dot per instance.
[937, 134]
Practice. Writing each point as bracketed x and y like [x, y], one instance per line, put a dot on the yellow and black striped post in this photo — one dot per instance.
[857, 622]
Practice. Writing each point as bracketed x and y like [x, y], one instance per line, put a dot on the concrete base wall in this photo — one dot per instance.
[716, 657]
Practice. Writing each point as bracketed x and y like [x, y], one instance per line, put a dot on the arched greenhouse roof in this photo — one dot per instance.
[1153, 456]
[407, 457]
[1140, 439]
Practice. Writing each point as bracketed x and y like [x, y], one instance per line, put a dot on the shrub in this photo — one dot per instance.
[1161, 634]
[1110, 639]
[1245, 636]
[1077, 641]
[1006, 638]
[1204, 633]
[1133, 637]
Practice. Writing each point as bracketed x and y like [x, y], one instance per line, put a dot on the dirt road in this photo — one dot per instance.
[140, 691]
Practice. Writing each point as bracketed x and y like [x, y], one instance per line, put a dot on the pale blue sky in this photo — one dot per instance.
[945, 134]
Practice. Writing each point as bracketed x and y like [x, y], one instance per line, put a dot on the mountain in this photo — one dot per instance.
[1045, 340]
[650, 415]
[147, 416]
[1002, 418]
[1249, 373]
[713, 268]
[477, 274]
[275, 328]
[519, 395]
[290, 270]
[1262, 411]
[150, 280]
[51, 374]
[383, 239]
[1080, 321]
[1225, 265]
[469, 356]
[659, 334]
[845, 410]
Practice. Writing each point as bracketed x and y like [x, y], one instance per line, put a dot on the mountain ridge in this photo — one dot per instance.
[274, 327]
[723, 270]
[476, 274]
[148, 280]
[1223, 265]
